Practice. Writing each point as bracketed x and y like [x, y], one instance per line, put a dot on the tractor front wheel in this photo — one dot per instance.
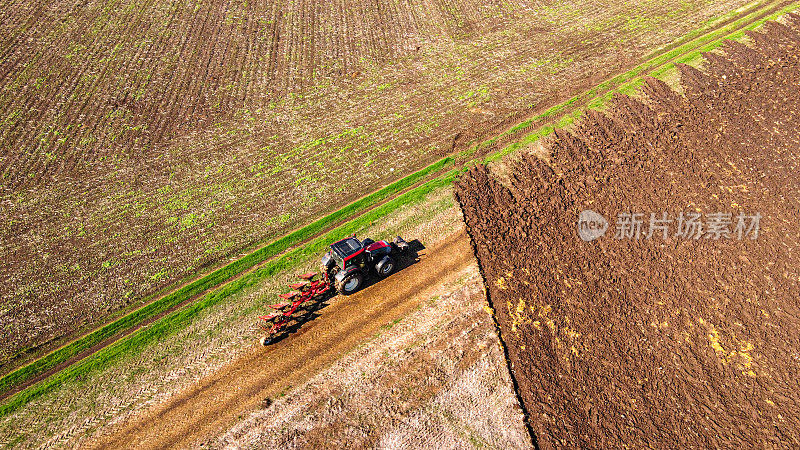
[350, 283]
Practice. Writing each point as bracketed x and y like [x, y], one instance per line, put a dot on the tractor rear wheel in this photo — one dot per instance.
[350, 283]
[385, 267]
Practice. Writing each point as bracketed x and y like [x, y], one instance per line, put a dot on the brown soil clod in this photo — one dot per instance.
[665, 342]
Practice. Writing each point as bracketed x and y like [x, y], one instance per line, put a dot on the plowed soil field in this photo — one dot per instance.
[682, 339]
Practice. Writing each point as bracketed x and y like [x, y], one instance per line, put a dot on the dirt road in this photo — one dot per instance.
[216, 402]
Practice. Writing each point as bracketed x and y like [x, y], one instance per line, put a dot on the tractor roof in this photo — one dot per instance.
[347, 247]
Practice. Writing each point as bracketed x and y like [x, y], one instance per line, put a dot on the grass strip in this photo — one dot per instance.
[632, 83]
[177, 319]
[625, 78]
[212, 279]
[696, 55]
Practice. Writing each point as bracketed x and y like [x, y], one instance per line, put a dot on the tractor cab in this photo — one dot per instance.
[350, 261]
[348, 251]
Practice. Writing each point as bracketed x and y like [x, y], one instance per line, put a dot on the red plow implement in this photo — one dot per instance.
[345, 267]
[304, 296]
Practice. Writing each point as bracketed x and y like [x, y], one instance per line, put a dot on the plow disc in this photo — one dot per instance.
[304, 295]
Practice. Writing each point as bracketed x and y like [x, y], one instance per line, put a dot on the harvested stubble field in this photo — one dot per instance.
[436, 379]
[143, 141]
[665, 342]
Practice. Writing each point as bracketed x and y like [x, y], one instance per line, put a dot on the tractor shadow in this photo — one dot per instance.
[402, 261]
[312, 310]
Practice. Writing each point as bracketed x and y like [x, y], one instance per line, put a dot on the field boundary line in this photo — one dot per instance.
[219, 284]
[561, 119]
[634, 82]
[597, 95]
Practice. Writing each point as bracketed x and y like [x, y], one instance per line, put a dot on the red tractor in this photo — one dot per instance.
[350, 261]
[345, 267]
